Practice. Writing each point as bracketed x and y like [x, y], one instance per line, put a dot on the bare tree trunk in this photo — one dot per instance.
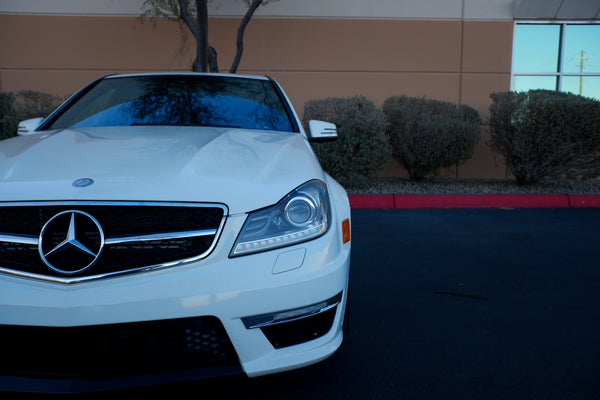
[240, 35]
[202, 40]
[199, 30]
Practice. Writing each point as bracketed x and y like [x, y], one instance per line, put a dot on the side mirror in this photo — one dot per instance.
[29, 126]
[321, 131]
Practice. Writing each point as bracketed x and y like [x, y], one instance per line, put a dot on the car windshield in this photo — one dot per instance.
[184, 100]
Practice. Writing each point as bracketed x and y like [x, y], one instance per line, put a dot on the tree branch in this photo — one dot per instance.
[213, 64]
[240, 35]
[184, 14]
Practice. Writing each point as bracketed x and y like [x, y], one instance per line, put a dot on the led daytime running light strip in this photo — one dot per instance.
[278, 241]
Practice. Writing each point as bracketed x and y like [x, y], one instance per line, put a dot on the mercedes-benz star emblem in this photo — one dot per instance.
[83, 182]
[71, 242]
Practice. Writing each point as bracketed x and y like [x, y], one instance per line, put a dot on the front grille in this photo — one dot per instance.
[101, 351]
[137, 236]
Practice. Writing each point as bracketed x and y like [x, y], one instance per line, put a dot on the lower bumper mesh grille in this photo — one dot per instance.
[300, 331]
[99, 351]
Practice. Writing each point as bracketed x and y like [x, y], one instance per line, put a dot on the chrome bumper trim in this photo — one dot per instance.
[281, 317]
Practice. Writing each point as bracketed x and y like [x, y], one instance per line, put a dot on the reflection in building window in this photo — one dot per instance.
[557, 56]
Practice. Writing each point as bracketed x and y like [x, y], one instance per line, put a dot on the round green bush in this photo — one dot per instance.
[546, 134]
[426, 135]
[361, 149]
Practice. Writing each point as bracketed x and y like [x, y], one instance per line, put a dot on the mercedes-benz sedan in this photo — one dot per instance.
[162, 227]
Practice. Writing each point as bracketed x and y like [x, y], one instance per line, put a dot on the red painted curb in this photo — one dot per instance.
[371, 200]
[472, 200]
[480, 200]
[584, 200]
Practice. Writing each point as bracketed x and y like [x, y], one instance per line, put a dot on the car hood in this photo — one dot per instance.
[244, 169]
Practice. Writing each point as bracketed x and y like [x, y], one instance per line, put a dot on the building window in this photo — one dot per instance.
[557, 56]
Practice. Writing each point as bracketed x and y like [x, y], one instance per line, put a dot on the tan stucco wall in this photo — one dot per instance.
[454, 60]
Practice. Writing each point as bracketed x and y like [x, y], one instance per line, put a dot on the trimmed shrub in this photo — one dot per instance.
[361, 149]
[8, 115]
[427, 135]
[23, 105]
[546, 134]
[33, 104]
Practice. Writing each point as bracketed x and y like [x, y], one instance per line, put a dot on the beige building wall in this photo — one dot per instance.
[453, 50]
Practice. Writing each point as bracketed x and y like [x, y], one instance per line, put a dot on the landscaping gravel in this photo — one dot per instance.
[386, 185]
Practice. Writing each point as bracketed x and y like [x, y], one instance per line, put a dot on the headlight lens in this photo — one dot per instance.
[300, 216]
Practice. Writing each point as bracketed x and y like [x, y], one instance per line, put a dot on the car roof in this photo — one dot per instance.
[150, 74]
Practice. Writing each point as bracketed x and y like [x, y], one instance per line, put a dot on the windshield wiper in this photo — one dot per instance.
[217, 125]
[174, 124]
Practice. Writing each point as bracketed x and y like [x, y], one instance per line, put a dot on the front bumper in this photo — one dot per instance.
[292, 279]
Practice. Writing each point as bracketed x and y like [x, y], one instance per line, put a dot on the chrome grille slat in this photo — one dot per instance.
[159, 236]
[19, 239]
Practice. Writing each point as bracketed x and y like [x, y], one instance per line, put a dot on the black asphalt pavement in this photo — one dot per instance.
[453, 304]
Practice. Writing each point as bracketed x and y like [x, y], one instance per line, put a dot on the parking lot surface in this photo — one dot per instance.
[453, 304]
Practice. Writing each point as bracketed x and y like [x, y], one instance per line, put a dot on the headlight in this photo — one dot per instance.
[300, 216]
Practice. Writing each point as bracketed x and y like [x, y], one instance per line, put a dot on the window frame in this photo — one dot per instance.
[560, 74]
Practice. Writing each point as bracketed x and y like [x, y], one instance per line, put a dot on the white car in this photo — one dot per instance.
[161, 227]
